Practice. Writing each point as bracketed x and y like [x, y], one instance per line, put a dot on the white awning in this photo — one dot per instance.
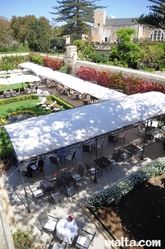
[72, 82]
[43, 134]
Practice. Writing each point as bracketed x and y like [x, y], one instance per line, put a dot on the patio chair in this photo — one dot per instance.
[91, 170]
[36, 191]
[71, 190]
[112, 139]
[100, 143]
[141, 129]
[78, 174]
[54, 160]
[122, 135]
[84, 239]
[114, 159]
[124, 155]
[86, 148]
[48, 222]
[71, 156]
[57, 196]
[55, 245]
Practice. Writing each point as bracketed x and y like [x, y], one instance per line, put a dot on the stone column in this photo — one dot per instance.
[71, 57]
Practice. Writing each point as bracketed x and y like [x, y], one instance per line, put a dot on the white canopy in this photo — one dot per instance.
[22, 78]
[72, 82]
[43, 134]
[14, 79]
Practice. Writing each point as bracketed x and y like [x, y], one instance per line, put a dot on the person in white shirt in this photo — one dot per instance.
[33, 166]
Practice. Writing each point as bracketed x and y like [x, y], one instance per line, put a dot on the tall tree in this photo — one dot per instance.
[77, 14]
[39, 34]
[156, 17]
[5, 33]
[20, 27]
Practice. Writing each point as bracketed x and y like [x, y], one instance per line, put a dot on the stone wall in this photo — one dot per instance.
[72, 61]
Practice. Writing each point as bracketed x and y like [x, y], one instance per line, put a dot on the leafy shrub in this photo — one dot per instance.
[99, 58]
[129, 85]
[18, 98]
[58, 44]
[53, 63]
[36, 58]
[113, 194]
[24, 240]
[12, 62]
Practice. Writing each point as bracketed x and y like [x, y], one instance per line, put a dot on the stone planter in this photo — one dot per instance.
[5, 164]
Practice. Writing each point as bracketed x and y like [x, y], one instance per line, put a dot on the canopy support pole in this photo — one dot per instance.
[95, 177]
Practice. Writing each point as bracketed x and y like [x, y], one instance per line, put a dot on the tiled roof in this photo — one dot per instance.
[120, 21]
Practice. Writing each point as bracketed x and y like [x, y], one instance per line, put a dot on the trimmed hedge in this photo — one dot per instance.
[60, 101]
[18, 98]
[114, 193]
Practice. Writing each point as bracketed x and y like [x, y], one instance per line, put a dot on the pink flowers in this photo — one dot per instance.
[70, 218]
[55, 175]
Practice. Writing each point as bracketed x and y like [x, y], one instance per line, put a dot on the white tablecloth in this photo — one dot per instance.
[66, 230]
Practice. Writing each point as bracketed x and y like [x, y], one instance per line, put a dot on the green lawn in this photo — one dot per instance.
[23, 105]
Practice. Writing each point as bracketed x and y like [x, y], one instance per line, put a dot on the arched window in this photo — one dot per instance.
[157, 34]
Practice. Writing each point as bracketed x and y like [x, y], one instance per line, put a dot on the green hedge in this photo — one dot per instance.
[18, 98]
[114, 193]
[60, 101]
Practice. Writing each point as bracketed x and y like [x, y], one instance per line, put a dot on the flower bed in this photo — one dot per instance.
[117, 81]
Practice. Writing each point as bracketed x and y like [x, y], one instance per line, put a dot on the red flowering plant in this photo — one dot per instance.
[55, 175]
[70, 218]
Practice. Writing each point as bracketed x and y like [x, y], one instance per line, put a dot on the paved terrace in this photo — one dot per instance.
[15, 203]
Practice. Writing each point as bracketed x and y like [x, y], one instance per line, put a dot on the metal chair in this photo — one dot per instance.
[57, 196]
[36, 191]
[78, 175]
[122, 135]
[71, 156]
[141, 129]
[84, 239]
[71, 190]
[114, 159]
[100, 143]
[55, 245]
[54, 160]
[124, 155]
[48, 222]
[112, 139]
[86, 148]
[91, 169]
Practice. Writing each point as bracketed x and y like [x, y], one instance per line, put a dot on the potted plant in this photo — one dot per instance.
[5, 164]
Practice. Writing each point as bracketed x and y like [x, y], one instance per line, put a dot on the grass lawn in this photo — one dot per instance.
[23, 105]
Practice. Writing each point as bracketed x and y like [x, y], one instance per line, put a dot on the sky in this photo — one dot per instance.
[117, 8]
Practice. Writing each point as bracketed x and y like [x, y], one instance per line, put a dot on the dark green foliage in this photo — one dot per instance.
[58, 44]
[76, 15]
[99, 58]
[39, 35]
[156, 17]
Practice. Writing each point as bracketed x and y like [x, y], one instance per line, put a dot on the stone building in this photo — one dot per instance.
[104, 28]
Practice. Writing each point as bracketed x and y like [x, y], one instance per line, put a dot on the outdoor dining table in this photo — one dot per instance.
[102, 162]
[132, 148]
[61, 180]
[66, 230]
